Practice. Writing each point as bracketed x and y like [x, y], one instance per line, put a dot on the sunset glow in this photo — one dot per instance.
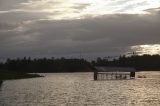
[147, 49]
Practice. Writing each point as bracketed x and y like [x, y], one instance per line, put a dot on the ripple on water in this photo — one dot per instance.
[79, 89]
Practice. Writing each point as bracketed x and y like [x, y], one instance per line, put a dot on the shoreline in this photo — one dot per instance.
[9, 75]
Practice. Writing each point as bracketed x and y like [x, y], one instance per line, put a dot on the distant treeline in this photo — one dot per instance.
[46, 65]
[28, 65]
[144, 62]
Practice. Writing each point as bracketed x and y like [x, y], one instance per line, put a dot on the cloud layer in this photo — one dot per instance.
[27, 31]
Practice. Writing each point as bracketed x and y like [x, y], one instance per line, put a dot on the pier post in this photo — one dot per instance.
[95, 75]
[132, 75]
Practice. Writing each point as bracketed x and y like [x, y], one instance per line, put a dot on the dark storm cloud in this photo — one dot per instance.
[123, 29]
[101, 36]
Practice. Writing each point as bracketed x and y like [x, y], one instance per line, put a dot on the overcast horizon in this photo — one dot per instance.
[78, 28]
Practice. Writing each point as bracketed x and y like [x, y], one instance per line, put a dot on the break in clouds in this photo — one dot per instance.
[88, 28]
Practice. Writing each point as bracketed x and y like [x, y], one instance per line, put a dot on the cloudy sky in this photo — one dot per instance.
[78, 28]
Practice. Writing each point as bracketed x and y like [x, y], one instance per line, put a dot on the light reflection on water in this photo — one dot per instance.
[79, 89]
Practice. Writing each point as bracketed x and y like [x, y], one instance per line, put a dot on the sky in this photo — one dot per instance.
[78, 28]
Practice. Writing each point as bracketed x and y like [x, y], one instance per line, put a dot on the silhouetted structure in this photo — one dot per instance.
[132, 74]
[106, 73]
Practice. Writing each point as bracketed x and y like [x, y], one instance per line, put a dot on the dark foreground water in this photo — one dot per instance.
[79, 89]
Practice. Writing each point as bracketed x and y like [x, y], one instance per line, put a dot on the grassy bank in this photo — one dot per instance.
[8, 75]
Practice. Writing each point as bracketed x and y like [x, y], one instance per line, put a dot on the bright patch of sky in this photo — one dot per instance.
[147, 49]
[77, 9]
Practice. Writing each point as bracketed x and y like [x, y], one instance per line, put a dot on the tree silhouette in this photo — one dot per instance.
[28, 65]
[144, 62]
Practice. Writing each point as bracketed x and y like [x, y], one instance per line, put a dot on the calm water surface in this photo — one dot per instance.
[79, 89]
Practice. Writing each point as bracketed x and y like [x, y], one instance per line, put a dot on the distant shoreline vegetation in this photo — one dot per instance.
[9, 75]
[43, 65]
[46, 65]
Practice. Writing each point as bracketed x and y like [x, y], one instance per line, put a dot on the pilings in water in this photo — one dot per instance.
[107, 73]
[113, 75]
[95, 75]
[132, 75]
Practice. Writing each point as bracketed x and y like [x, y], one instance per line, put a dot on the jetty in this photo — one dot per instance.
[114, 73]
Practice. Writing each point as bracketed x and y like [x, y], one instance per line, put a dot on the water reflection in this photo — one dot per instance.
[79, 89]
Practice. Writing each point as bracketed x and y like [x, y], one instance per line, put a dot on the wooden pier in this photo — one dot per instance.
[113, 73]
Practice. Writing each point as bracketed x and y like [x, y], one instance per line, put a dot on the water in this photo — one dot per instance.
[79, 89]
